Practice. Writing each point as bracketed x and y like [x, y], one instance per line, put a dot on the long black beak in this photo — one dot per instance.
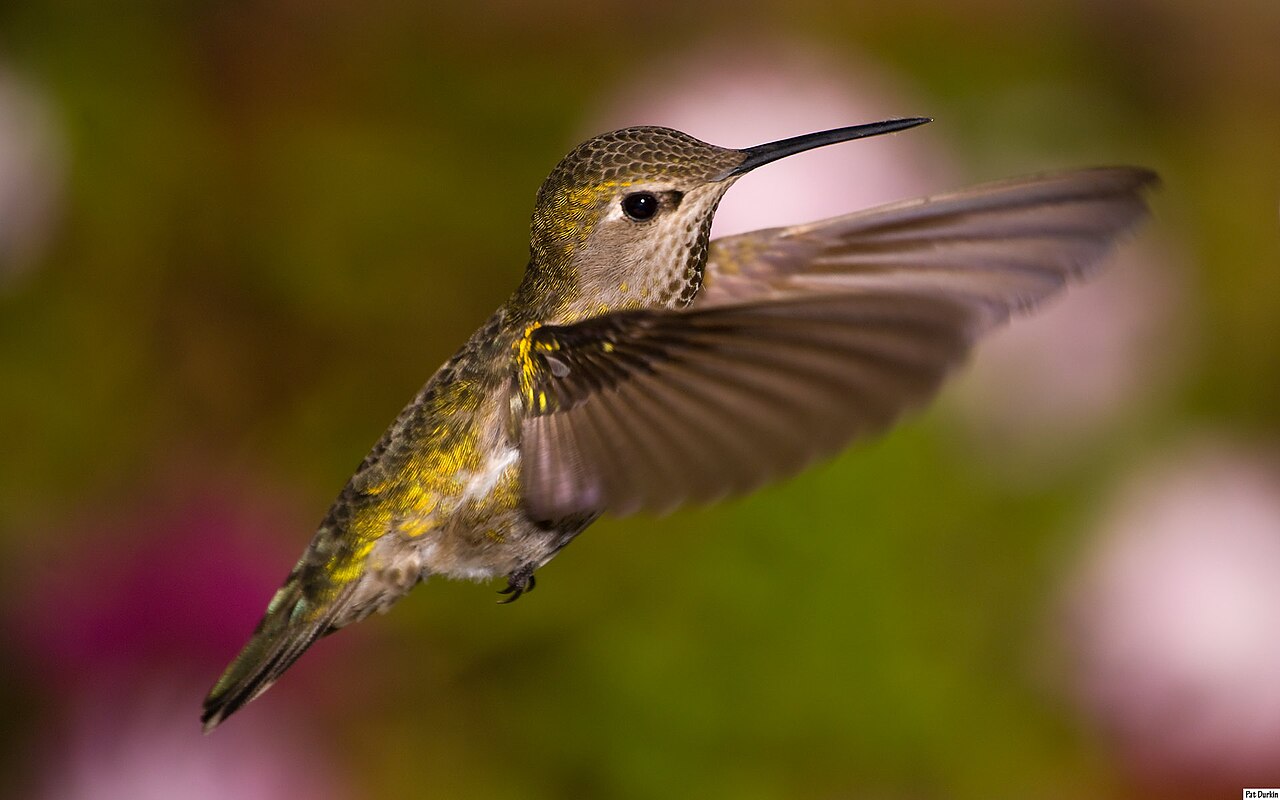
[764, 153]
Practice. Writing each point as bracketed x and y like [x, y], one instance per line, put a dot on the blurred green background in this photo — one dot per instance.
[237, 238]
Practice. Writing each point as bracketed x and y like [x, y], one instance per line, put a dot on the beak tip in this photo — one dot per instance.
[762, 154]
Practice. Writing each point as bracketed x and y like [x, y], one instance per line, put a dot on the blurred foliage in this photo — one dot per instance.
[280, 217]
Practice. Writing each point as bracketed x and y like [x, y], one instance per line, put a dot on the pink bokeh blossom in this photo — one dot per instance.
[123, 633]
[32, 172]
[1041, 390]
[754, 92]
[1175, 619]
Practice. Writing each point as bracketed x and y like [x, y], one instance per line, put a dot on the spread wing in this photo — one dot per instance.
[1006, 245]
[650, 409]
[804, 339]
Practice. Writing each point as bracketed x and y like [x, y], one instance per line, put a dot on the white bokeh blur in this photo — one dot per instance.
[1174, 617]
[1041, 391]
[32, 171]
[134, 743]
[758, 92]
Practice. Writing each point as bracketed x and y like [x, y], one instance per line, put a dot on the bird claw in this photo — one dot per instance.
[518, 583]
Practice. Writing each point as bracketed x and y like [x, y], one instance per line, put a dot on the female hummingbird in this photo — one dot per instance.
[640, 365]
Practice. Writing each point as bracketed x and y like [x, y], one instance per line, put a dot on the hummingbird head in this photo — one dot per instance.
[624, 220]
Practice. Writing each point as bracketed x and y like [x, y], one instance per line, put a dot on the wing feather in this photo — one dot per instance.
[719, 401]
[803, 339]
[1003, 246]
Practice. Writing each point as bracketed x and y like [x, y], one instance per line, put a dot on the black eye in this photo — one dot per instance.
[640, 206]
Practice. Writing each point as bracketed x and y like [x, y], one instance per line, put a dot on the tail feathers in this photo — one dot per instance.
[289, 627]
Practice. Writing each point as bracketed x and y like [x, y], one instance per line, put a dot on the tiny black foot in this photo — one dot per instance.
[518, 583]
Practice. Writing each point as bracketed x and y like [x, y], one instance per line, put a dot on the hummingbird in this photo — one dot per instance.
[641, 365]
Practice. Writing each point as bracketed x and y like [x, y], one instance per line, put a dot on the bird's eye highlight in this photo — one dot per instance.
[640, 206]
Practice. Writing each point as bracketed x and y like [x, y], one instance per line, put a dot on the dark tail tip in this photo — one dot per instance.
[284, 634]
[258, 666]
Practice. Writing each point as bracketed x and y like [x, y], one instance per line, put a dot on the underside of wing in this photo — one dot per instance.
[646, 410]
[1002, 246]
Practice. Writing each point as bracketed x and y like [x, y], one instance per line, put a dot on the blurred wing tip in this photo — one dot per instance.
[1134, 172]
[1143, 177]
[1119, 176]
[1134, 181]
[1147, 178]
